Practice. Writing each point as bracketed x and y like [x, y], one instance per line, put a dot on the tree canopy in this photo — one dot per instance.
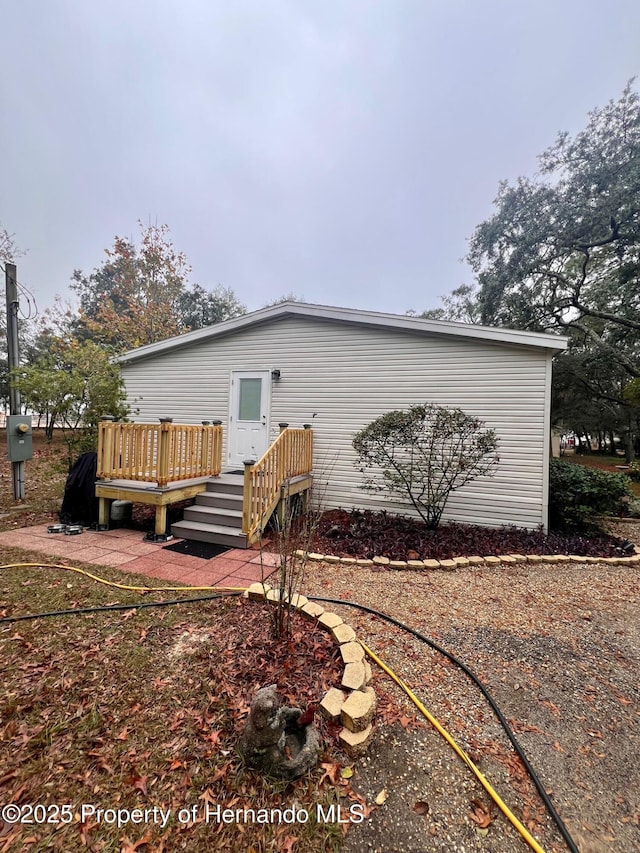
[141, 294]
[561, 252]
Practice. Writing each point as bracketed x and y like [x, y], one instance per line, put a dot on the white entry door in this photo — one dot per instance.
[249, 415]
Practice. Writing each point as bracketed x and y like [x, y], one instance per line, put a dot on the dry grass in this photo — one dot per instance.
[143, 710]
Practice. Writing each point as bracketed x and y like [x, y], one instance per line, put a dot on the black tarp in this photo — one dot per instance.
[80, 504]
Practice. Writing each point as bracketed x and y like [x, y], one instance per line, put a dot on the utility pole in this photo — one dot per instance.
[11, 279]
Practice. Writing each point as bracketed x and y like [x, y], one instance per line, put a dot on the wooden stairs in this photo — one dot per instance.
[217, 514]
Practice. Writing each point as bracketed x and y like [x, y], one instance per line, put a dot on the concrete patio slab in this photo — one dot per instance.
[127, 550]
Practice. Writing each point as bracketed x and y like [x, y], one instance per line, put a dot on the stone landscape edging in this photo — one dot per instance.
[354, 703]
[462, 562]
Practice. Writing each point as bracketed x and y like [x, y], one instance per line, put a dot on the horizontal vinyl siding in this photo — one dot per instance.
[348, 375]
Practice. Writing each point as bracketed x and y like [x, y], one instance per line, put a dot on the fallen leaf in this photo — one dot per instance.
[129, 847]
[382, 796]
[331, 772]
[480, 815]
[421, 807]
[346, 772]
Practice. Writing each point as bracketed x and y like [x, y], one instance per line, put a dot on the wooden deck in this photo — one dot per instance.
[146, 493]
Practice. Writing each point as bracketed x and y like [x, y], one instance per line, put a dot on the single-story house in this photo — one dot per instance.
[338, 369]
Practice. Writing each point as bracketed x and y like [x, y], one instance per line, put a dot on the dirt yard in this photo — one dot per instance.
[559, 648]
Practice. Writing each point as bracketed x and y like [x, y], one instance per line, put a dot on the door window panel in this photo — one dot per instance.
[249, 396]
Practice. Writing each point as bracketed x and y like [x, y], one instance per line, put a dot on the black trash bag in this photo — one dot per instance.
[80, 504]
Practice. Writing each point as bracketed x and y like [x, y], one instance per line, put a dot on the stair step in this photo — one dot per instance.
[219, 500]
[214, 515]
[217, 534]
[226, 484]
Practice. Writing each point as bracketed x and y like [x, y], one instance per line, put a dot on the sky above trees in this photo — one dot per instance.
[341, 151]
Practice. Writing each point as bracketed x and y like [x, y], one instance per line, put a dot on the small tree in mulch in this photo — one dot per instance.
[293, 528]
[424, 454]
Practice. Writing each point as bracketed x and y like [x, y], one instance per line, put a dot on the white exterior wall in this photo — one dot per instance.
[350, 374]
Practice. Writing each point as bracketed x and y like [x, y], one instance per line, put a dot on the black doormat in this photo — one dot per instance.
[204, 550]
[235, 471]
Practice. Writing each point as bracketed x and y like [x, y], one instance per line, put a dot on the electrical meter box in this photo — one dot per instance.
[19, 438]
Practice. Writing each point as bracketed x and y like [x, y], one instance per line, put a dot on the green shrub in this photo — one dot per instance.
[578, 493]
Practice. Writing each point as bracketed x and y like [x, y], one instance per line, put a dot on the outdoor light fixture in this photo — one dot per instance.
[275, 375]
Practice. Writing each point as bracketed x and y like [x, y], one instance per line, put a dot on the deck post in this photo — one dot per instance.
[246, 497]
[163, 451]
[105, 445]
[204, 445]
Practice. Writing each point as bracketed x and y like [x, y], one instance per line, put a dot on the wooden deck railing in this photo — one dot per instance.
[290, 455]
[160, 453]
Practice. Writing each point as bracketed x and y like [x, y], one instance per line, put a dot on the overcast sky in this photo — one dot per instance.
[343, 150]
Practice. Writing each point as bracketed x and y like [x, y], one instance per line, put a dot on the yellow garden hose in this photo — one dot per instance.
[461, 753]
[121, 585]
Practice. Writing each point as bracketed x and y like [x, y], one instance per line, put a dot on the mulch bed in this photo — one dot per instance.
[366, 534]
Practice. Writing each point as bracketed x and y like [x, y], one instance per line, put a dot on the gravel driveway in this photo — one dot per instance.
[558, 646]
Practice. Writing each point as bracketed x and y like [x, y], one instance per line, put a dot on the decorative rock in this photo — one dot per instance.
[298, 601]
[330, 558]
[312, 610]
[354, 676]
[331, 705]
[447, 564]
[461, 561]
[415, 564]
[381, 561]
[431, 564]
[397, 564]
[519, 558]
[357, 712]
[492, 561]
[507, 558]
[355, 743]
[535, 558]
[348, 561]
[343, 634]
[329, 620]
[300, 553]
[475, 561]
[317, 557]
[368, 675]
[257, 591]
[364, 562]
[574, 558]
[351, 652]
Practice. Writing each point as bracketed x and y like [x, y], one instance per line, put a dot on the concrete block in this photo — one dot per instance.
[355, 743]
[329, 620]
[351, 652]
[312, 610]
[331, 705]
[343, 634]
[359, 709]
[257, 591]
[354, 676]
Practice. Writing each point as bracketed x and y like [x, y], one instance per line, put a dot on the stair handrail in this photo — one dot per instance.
[290, 455]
